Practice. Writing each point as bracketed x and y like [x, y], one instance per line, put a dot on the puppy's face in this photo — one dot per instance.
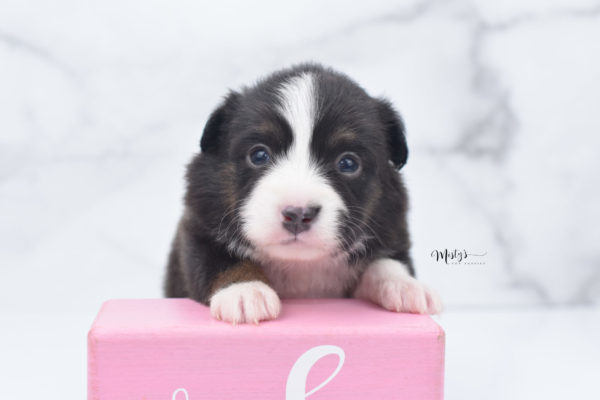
[310, 157]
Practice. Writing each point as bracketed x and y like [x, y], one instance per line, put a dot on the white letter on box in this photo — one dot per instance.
[185, 394]
[296, 383]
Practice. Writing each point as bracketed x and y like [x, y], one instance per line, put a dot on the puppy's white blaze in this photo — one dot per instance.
[294, 180]
[298, 98]
[246, 302]
[388, 283]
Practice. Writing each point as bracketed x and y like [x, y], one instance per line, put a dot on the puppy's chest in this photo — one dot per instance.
[322, 278]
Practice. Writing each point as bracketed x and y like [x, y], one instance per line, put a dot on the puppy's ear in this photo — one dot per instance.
[396, 140]
[216, 126]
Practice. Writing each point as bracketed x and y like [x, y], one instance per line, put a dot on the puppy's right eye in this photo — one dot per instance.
[259, 156]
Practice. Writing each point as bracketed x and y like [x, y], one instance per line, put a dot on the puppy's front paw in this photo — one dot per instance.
[388, 283]
[246, 302]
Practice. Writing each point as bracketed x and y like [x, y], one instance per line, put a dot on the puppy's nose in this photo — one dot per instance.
[298, 219]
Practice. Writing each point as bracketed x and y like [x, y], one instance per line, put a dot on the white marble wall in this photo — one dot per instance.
[101, 106]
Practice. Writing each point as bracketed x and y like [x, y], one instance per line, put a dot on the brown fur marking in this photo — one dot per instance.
[244, 271]
[341, 136]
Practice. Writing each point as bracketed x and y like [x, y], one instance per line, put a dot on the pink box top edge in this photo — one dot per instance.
[299, 316]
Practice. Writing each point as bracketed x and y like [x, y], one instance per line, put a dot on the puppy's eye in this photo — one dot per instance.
[348, 163]
[259, 155]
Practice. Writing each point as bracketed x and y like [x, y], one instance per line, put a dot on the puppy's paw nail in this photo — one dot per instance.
[245, 302]
[434, 303]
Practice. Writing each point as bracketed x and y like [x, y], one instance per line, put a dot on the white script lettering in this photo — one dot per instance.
[185, 394]
[295, 388]
[296, 383]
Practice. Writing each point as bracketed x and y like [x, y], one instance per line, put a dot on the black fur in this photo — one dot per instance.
[219, 178]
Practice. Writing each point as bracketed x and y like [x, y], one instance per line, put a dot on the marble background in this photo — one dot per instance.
[102, 104]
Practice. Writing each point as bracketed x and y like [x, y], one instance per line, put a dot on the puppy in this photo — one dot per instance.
[296, 193]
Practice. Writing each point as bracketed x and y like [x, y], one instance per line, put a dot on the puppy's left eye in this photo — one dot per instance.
[259, 155]
[348, 163]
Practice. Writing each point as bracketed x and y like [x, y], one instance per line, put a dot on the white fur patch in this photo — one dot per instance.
[294, 180]
[327, 277]
[299, 107]
[387, 282]
[246, 302]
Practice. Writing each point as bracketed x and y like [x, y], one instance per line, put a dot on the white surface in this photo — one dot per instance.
[101, 106]
[522, 354]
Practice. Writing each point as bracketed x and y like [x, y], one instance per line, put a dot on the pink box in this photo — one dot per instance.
[172, 349]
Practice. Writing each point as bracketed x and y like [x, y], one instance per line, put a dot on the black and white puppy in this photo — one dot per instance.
[296, 193]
